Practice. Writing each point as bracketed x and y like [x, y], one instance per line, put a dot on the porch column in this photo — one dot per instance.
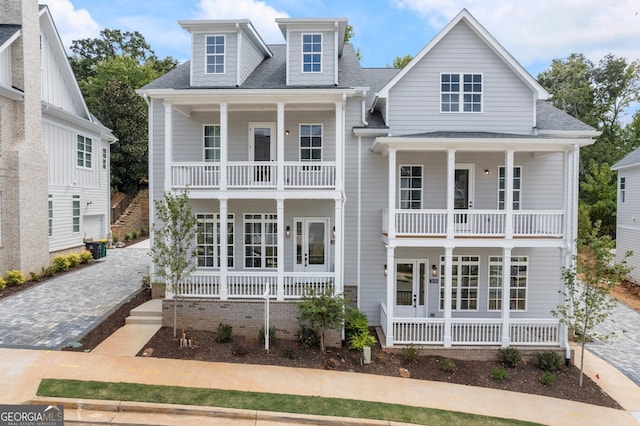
[392, 196]
[339, 145]
[168, 145]
[280, 236]
[280, 148]
[508, 194]
[224, 145]
[506, 295]
[451, 177]
[391, 285]
[337, 247]
[448, 285]
[224, 250]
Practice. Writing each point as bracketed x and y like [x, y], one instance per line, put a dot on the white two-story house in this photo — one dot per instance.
[54, 155]
[440, 198]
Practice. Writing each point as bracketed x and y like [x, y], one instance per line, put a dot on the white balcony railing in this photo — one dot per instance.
[476, 223]
[259, 175]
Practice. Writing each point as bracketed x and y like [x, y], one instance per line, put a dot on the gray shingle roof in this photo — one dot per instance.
[7, 31]
[631, 159]
[552, 118]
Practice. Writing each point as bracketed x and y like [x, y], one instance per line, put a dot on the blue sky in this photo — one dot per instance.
[535, 32]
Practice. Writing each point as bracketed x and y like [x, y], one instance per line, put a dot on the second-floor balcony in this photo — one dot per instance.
[254, 175]
[476, 223]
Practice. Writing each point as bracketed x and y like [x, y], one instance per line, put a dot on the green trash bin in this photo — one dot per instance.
[103, 249]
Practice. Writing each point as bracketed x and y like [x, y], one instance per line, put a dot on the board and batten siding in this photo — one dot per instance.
[294, 60]
[628, 219]
[199, 77]
[414, 102]
[55, 88]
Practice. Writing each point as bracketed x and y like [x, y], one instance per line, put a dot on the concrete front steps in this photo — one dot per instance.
[142, 324]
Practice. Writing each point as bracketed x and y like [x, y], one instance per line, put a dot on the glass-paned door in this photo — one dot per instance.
[410, 292]
[463, 195]
[312, 238]
[262, 148]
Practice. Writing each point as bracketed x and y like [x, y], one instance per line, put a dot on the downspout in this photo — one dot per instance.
[359, 203]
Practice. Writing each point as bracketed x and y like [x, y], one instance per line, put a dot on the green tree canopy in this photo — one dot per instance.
[599, 189]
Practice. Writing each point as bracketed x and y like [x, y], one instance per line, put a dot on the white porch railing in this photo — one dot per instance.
[257, 174]
[475, 223]
[310, 175]
[195, 175]
[252, 284]
[476, 331]
[532, 332]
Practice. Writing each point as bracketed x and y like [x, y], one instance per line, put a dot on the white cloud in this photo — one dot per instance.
[261, 15]
[72, 24]
[546, 29]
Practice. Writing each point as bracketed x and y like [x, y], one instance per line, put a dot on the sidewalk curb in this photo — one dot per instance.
[149, 408]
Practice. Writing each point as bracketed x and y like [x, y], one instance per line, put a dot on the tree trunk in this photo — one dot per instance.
[175, 315]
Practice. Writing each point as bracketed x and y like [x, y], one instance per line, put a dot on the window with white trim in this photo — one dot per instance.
[261, 240]
[211, 142]
[104, 158]
[517, 283]
[623, 187]
[312, 53]
[517, 186]
[84, 151]
[208, 240]
[464, 283]
[75, 214]
[311, 142]
[50, 214]
[410, 187]
[214, 54]
[457, 89]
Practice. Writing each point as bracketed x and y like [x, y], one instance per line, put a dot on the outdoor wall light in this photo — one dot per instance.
[385, 270]
[434, 271]
[286, 133]
[333, 233]
[89, 203]
[486, 172]
[287, 232]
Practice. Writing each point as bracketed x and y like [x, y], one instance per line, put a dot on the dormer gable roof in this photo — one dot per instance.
[8, 34]
[466, 17]
[228, 25]
[315, 24]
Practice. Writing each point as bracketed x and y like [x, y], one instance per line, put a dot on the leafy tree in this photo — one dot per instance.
[324, 311]
[173, 250]
[349, 33]
[599, 189]
[586, 292]
[401, 61]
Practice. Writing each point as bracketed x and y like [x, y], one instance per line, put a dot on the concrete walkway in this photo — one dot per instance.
[64, 308]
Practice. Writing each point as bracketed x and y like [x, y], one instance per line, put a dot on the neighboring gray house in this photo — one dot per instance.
[54, 155]
[440, 198]
[628, 211]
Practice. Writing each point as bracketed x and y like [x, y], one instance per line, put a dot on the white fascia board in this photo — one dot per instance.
[248, 95]
[11, 93]
[11, 39]
[54, 111]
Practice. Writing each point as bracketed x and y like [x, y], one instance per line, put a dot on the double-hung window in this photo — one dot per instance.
[104, 158]
[83, 151]
[75, 214]
[312, 53]
[311, 142]
[261, 240]
[211, 142]
[461, 89]
[517, 283]
[517, 186]
[623, 187]
[208, 240]
[214, 54]
[50, 214]
[410, 187]
[464, 283]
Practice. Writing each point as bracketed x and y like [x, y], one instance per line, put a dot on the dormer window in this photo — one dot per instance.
[215, 54]
[312, 53]
[465, 89]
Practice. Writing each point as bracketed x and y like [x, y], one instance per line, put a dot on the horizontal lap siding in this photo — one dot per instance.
[250, 58]
[157, 156]
[628, 217]
[199, 77]
[294, 61]
[414, 102]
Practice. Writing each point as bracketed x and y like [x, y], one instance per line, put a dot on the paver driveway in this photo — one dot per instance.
[62, 309]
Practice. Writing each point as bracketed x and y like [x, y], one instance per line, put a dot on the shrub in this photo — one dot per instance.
[309, 337]
[410, 354]
[60, 263]
[359, 341]
[49, 271]
[15, 278]
[116, 238]
[499, 373]
[3, 284]
[510, 357]
[143, 232]
[357, 329]
[289, 353]
[548, 378]
[134, 234]
[127, 236]
[74, 259]
[272, 335]
[86, 257]
[549, 361]
[35, 277]
[223, 334]
[448, 365]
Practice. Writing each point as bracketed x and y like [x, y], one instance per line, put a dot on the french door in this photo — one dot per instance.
[411, 288]
[463, 195]
[312, 242]
[262, 148]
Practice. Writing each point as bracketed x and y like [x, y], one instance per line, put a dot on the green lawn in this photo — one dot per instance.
[262, 401]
